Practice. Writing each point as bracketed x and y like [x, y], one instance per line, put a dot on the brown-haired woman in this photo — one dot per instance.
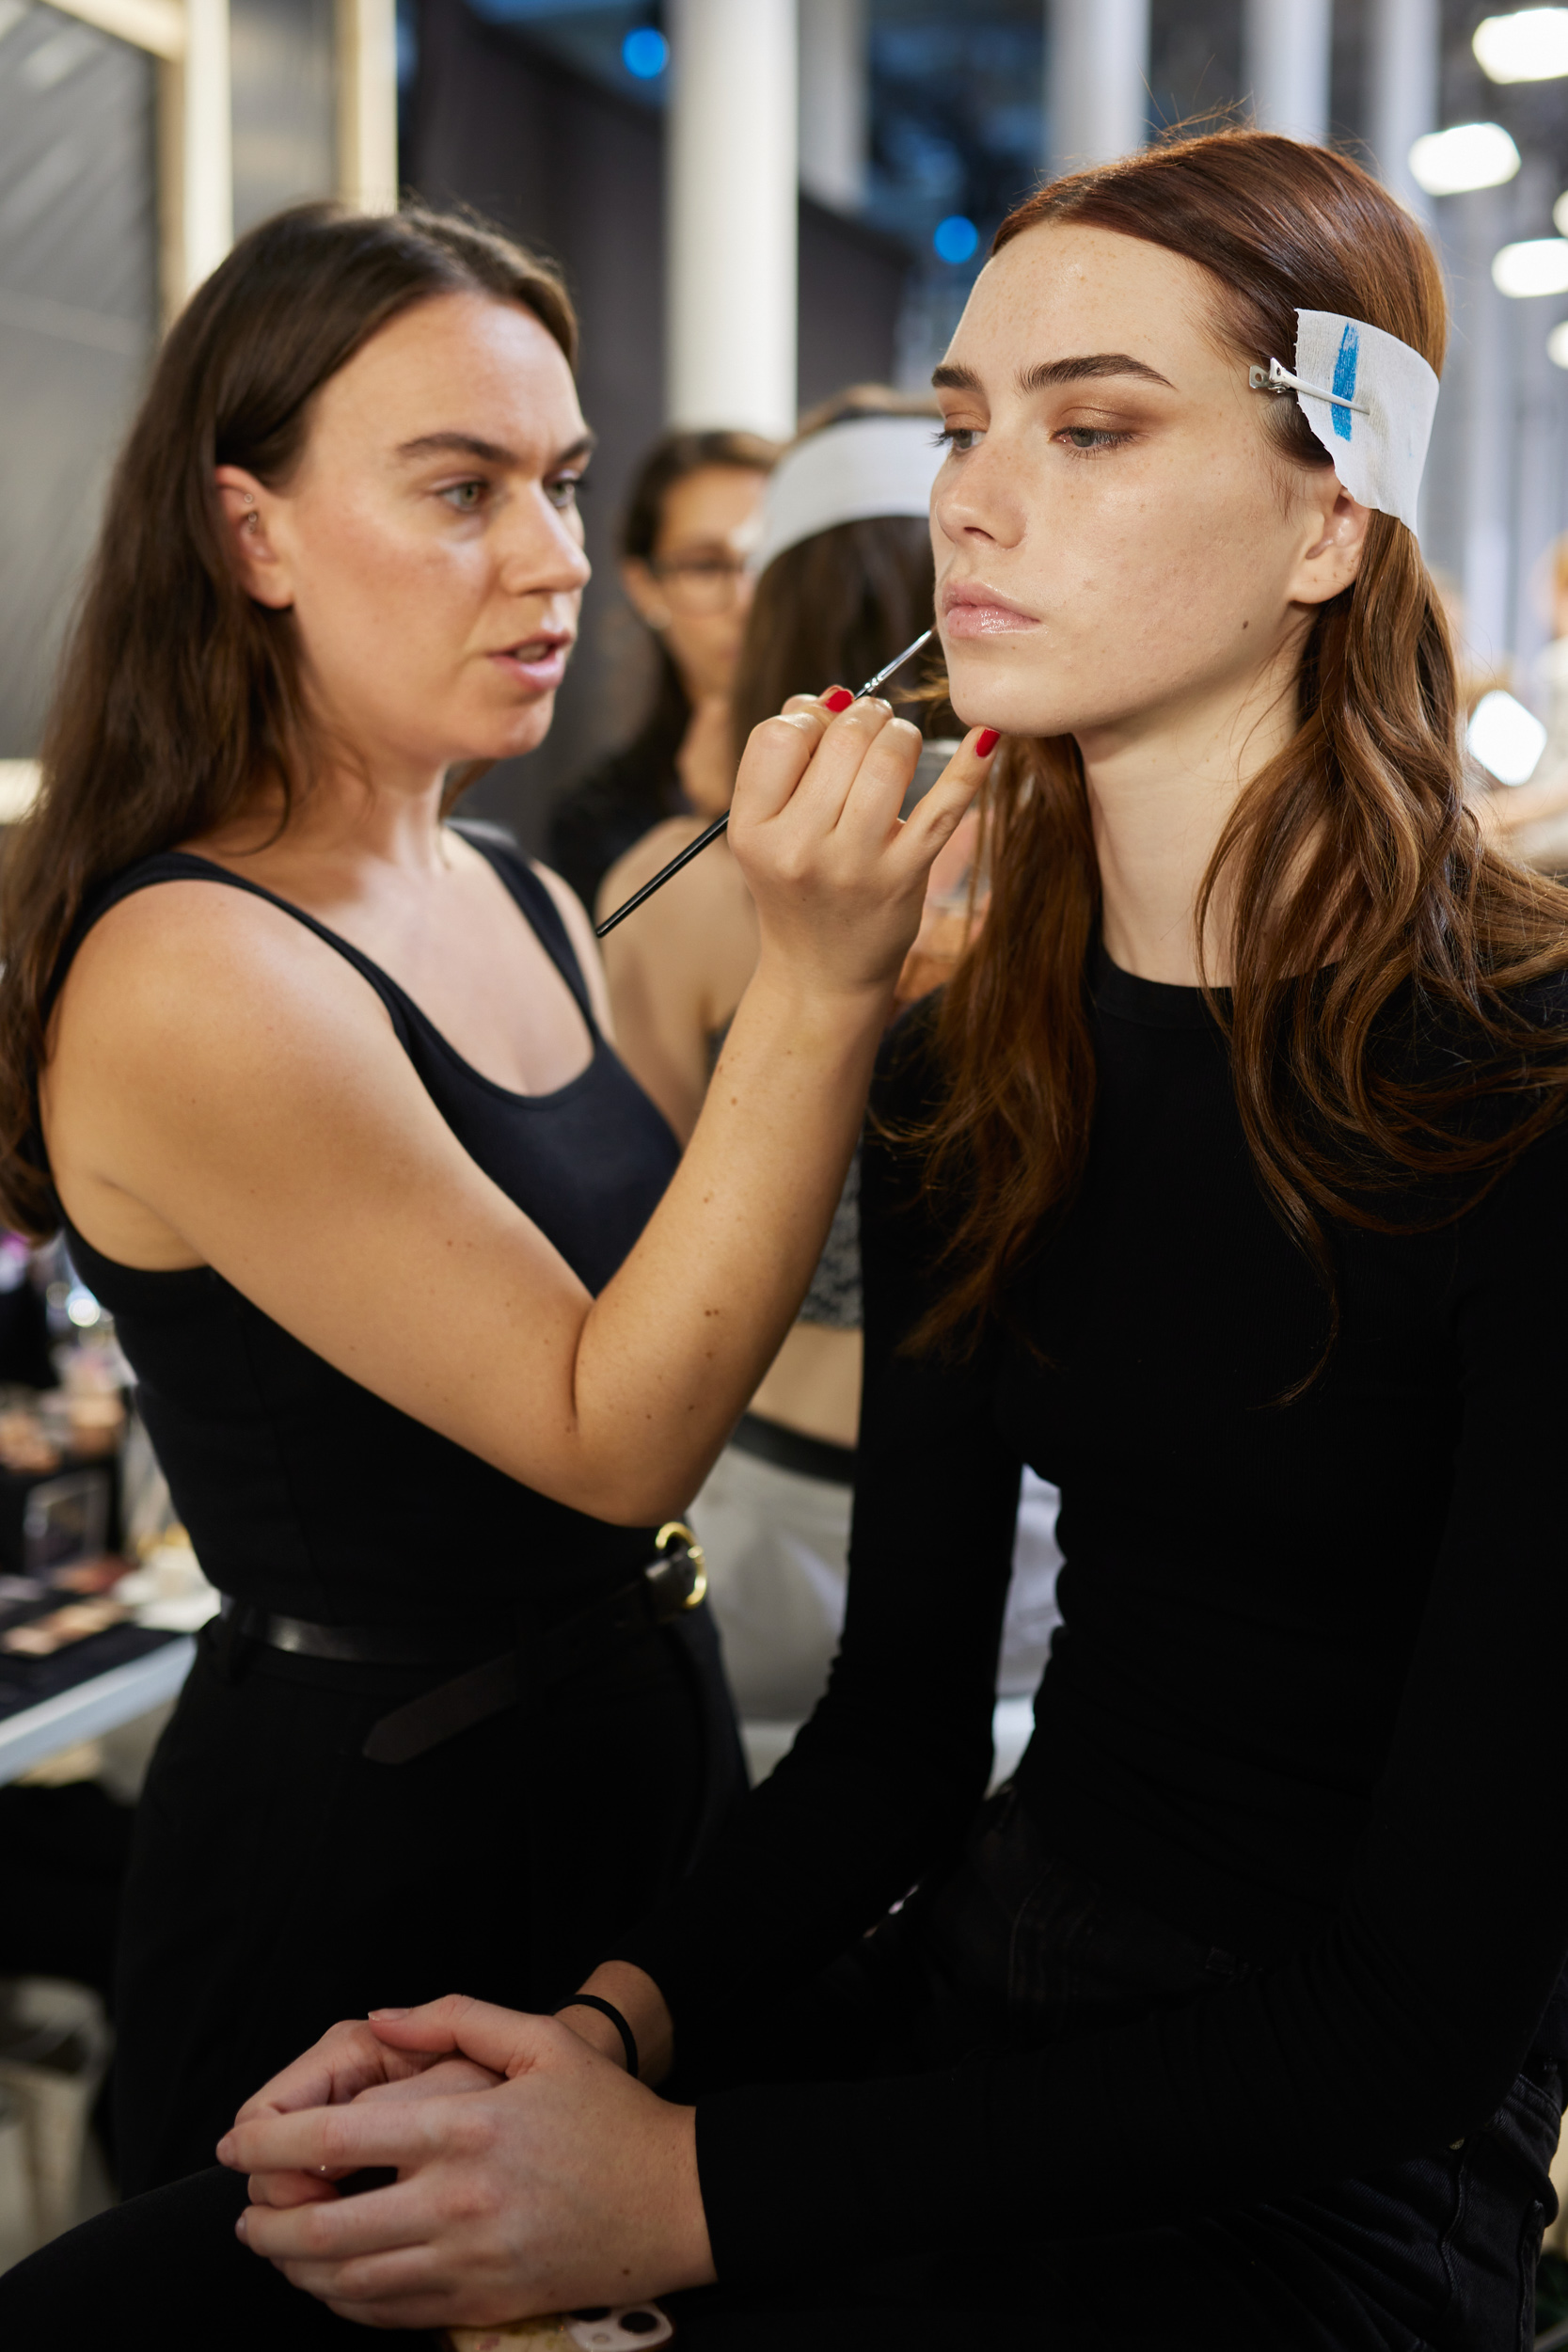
[323, 1091]
[688, 525]
[1225, 1185]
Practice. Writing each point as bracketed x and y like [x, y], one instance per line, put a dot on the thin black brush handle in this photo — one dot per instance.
[663, 876]
[691, 849]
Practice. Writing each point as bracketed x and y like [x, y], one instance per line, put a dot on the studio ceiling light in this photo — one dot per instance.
[1557, 345]
[1527, 45]
[1472, 155]
[1538, 266]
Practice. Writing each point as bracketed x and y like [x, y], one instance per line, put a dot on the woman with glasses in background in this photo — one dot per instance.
[684, 540]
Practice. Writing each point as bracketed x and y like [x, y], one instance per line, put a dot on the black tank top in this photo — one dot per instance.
[301, 1490]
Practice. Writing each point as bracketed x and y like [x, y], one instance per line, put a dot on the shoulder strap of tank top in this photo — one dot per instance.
[533, 901]
[183, 866]
[537, 905]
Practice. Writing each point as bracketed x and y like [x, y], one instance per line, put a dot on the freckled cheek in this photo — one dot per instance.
[365, 565]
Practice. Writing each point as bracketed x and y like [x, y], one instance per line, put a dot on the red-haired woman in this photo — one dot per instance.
[1226, 1185]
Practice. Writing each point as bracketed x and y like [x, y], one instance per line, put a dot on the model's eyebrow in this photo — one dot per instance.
[487, 452]
[1051, 372]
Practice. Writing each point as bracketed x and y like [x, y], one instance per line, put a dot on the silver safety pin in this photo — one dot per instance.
[1274, 379]
[718, 824]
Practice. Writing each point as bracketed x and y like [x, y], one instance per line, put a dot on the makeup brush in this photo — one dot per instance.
[720, 822]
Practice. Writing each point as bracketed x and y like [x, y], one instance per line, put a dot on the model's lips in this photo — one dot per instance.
[539, 661]
[971, 609]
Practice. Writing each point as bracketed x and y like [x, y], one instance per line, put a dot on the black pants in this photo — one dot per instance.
[279, 1881]
[1434, 2255]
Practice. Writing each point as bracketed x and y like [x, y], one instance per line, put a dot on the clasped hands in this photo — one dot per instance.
[532, 2175]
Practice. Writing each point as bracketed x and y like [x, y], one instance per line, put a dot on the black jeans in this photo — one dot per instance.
[1014, 1948]
[1436, 2255]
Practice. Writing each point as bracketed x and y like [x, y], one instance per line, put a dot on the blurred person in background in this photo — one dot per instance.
[689, 527]
[844, 580]
[433, 1324]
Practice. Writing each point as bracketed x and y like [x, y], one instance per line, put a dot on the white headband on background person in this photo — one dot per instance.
[857, 472]
[1369, 398]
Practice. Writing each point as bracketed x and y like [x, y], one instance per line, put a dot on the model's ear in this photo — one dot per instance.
[248, 509]
[1334, 539]
[643, 592]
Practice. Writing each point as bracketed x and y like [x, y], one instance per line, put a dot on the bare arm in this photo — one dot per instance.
[246, 1087]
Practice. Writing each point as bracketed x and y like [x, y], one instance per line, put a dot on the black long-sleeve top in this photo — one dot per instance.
[1306, 1700]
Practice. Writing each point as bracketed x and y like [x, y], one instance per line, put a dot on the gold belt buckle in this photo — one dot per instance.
[675, 1530]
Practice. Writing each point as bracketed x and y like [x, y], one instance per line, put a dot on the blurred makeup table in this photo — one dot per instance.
[107, 1696]
[94, 1647]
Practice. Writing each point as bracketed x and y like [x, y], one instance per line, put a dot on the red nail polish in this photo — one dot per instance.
[987, 741]
[839, 699]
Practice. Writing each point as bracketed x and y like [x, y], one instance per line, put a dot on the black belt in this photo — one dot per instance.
[677, 1580]
[792, 1450]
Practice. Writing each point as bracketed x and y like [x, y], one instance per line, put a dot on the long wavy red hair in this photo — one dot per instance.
[1351, 859]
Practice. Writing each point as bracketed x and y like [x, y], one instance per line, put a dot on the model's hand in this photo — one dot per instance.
[351, 2062]
[567, 2185]
[838, 881]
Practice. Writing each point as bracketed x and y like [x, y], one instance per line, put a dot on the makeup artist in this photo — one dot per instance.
[432, 1331]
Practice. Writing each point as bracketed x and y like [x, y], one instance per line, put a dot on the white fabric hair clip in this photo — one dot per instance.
[856, 471]
[1369, 398]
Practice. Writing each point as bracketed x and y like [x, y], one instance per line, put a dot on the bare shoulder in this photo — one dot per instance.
[187, 969]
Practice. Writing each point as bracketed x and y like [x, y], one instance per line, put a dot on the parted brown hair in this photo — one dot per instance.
[1370, 914]
[176, 693]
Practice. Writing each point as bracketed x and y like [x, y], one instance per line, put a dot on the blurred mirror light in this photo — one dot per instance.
[1506, 739]
[1538, 266]
[1472, 155]
[1527, 45]
[1559, 215]
[1557, 345]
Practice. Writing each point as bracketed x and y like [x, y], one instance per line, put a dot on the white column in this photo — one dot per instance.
[1097, 99]
[1404, 45]
[1489, 426]
[1285, 60]
[367, 104]
[196, 173]
[834, 102]
[732, 203]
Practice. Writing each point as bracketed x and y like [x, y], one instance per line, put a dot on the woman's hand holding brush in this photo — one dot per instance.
[814, 825]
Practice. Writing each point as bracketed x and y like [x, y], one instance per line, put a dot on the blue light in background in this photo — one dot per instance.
[645, 52]
[954, 238]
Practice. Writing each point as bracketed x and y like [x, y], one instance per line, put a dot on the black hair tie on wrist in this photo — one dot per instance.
[608, 2009]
